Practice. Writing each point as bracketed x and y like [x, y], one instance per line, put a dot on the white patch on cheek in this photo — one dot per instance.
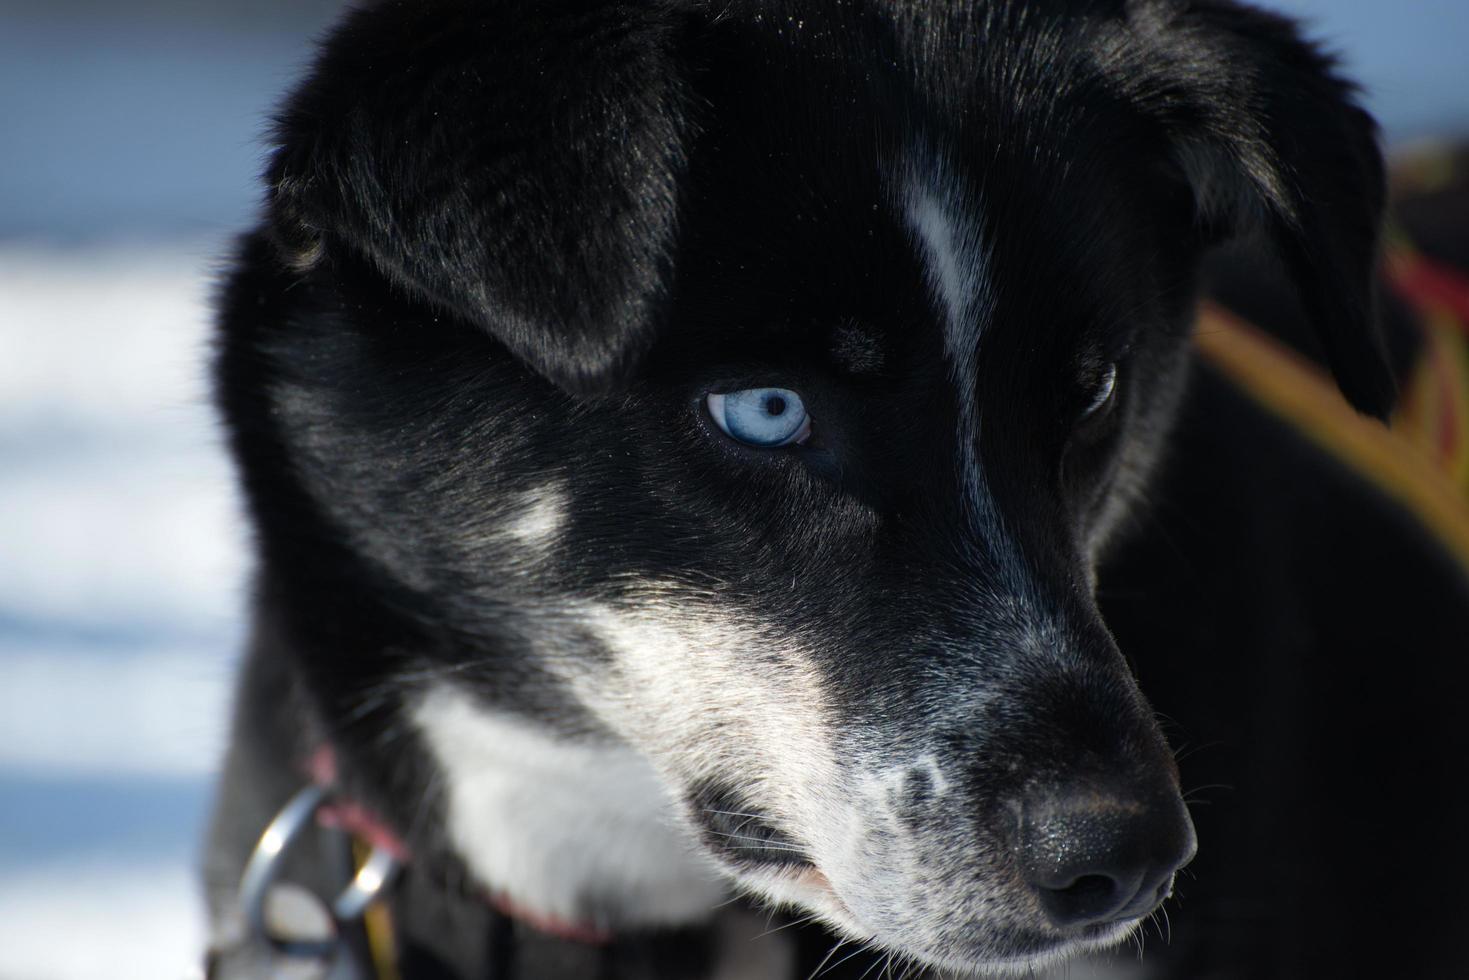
[681, 675]
[537, 522]
[707, 695]
[572, 830]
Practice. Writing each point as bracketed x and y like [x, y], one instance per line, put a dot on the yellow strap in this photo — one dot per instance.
[1295, 389]
[377, 922]
[1434, 414]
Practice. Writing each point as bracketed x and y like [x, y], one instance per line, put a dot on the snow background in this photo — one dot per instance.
[129, 144]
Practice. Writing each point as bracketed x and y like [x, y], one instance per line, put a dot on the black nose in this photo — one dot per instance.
[1096, 855]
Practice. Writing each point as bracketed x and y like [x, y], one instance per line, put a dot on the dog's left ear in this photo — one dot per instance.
[1267, 135]
[515, 164]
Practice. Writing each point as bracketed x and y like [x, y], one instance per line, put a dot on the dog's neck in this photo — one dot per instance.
[575, 833]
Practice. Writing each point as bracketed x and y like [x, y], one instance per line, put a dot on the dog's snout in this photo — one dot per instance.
[1096, 855]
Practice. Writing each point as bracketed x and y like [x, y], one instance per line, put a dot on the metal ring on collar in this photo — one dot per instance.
[266, 862]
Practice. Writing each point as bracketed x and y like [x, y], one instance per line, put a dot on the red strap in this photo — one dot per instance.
[353, 818]
[586, 934]
[1427, 284]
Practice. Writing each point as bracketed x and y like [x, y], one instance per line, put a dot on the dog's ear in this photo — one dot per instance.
[516, 164]
[1267, 135]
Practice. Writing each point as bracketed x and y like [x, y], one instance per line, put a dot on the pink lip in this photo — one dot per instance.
[817, 881]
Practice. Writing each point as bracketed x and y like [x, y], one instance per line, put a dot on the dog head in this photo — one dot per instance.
[754, 386]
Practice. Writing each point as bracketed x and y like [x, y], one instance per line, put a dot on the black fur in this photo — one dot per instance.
[562, 127]
[507, 244]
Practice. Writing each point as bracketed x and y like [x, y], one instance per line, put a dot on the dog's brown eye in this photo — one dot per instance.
[1104, 395]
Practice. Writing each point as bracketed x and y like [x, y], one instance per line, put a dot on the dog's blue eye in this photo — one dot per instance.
[764, 417]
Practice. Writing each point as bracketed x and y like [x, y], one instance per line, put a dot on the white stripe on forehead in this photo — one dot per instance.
[947, 226]
[949, 232]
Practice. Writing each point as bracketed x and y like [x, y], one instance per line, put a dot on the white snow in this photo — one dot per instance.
[122, 576]
[73, 711]
[118, 506]
[97, 916]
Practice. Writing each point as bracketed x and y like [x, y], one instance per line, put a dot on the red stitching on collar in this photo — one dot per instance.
[588, 935]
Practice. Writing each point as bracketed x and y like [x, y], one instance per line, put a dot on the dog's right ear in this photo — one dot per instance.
[516, 164]
[1268, 136]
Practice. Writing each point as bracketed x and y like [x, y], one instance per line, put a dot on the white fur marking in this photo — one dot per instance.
[540, 517]
[958, 273]
[930, 763]
[945, 222]
[574, 831]
[710, 694]
[957, 263]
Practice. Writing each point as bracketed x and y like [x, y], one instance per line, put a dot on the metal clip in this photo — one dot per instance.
[266, 863]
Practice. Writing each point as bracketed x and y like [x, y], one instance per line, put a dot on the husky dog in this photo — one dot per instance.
[686, 442]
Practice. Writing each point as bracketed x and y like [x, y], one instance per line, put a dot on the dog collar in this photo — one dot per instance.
[379, 855]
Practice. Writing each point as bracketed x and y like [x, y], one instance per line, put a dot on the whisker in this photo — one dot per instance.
[733, 813]
[870, 967]
[1191, 795]
[803, 920]
[1188, 751]
[764, 847]
[879, 961]
[827, 958]
[761, 843]
[860, 949]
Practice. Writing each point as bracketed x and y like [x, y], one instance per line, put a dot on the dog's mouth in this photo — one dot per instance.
[750, 841]
[742, 835]
[1022, 952]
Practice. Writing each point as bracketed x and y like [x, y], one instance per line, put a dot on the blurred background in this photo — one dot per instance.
[130, 140]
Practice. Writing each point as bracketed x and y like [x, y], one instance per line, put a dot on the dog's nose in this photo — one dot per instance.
[1095, 855]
